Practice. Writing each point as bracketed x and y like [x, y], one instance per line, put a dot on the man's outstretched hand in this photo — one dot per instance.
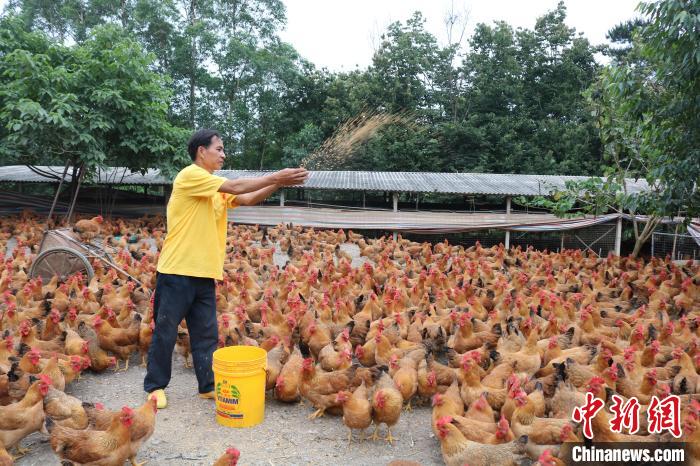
[291, 176]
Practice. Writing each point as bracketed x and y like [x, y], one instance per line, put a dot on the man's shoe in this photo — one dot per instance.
[208, 395]
[162, 402]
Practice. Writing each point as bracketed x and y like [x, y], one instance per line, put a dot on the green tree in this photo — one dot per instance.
[648, 109]
[96, 104]
[525, 110]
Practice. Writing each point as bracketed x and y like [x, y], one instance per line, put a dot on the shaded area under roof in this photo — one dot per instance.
[416, 222]
[420, 182]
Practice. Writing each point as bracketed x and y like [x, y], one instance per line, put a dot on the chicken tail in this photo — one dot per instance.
[23, 349]
[560, 374]
[592, 350]
[49, 422]
[673, 371]
[12, 374]
[521, 443]
[609, 392]
[497, 330]
[359, 300]
[653, 333]
[305, 350]
[570, 334]
[453, 357]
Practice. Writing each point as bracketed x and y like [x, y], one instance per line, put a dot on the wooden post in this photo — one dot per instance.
[364, 200]
[81, 171]
[508, 217]
[618, 236]
[58, 192]
[395, 197]
[282, 198]
[675, 239]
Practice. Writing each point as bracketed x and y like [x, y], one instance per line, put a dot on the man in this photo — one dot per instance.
[192, 258]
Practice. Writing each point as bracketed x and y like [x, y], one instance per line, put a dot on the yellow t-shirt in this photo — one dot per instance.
[195, 244]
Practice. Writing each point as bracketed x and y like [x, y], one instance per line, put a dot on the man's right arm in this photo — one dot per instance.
[286, 177]
[247, 185]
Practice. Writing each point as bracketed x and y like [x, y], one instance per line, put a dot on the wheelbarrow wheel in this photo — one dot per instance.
[63, 262]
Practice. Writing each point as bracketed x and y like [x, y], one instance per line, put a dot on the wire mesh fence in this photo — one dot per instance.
[676, 246]
[597, 239]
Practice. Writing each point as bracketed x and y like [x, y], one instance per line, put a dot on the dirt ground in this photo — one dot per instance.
[187, 432]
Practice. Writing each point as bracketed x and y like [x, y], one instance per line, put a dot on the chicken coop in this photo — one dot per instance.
[461, 207]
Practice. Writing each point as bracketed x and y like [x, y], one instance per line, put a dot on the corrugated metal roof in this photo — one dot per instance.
[422, 182]
[24, 174]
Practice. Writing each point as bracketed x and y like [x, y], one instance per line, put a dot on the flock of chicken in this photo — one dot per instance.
[503, 344]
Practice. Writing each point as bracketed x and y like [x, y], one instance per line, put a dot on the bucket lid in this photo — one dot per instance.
[240, 356]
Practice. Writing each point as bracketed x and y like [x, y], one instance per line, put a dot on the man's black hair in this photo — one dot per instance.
[201, 137]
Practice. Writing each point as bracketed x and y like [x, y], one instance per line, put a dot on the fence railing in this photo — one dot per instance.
[676, 246]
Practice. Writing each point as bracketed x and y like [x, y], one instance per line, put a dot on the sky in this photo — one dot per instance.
[342, 34]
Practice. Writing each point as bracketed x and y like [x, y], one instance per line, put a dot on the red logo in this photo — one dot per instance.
[587, 412]
[665, 415]
[662, 414]
[625, 415]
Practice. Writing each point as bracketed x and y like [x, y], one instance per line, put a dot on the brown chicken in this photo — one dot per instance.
[276, 358]
[331, 360]
[51, 369]
[357, 410]
[20, 419]
[427, 381]
[542, 431]
[482, 432]
[145, 337]
[5, 458]
[99, 359]
[458, 450]
[88, 229]
[30, 361]
[75, 345]
[142, 427]
[99, 417]
[108, 447]
[29, 337]
[121, 342]
[386, 406]
[321, 387]
[527, 360]
[66, 410]
[229, 458]
[288, 382]
[447, 404]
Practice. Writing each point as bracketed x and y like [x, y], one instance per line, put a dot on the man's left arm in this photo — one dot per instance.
[255, 197]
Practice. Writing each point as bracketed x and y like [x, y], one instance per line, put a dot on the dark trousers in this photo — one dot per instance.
[194, 299]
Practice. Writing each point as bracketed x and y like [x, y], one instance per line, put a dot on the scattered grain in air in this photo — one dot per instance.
[335, 151]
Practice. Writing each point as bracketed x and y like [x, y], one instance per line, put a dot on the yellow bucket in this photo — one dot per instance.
[239, 384]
